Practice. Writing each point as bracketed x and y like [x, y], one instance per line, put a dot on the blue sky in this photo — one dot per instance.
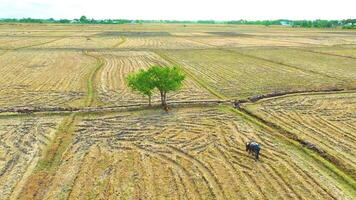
[180, 9]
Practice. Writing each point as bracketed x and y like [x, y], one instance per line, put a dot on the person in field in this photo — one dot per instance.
[254, 148]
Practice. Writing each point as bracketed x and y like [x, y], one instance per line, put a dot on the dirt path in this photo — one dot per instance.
[41, 177]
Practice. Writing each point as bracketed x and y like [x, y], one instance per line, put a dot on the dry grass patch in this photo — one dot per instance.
[84, 43]
[111, 85]
[326, 120]
[160, 43]
[23, 141]
[340, 68]
[192, 153]
[319, 39]
[347, 51]
[25, 42]
[238, 76]
[241, 41]
[43, 78]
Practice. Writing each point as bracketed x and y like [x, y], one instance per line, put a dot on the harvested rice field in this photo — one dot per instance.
[43, 78]
[236, 75]
[345, 51]
[331, 66]
[242, 41]
[111, 79]
[327, 121]
[23, 141]
[71, 128]
[186, 154]
[14, 43]
[87, 42]
[156, 42]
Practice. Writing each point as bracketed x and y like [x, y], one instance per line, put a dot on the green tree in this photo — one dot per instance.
[166, 79]
[141, 82]
[83, 19]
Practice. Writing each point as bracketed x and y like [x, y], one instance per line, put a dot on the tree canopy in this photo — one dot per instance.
[141, 82]
[164, 79]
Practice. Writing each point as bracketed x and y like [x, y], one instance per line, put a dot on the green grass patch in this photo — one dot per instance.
[91, 92]
[63, 137]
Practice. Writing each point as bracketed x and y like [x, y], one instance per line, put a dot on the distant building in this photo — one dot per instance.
[285, 23]
[350, 24]
[74, 21]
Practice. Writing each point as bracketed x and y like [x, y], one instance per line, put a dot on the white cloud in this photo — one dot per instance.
[180, 9]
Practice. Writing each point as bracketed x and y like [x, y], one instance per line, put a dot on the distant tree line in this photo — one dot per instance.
[346, 23]
[301, 23]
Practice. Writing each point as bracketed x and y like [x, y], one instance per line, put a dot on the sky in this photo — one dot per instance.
[180, 9]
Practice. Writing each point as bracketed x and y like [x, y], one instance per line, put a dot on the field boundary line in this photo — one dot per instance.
[325, 53]
[91, 91]
[13, 112]
[41, 177]
[200, 82]
[275, 95]
[209, 45]
[38, 44]
[283, 64]
[122, 108]
[268, 60]
[123, 40]
[5, 51]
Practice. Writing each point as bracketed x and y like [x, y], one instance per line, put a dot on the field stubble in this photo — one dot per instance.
[43, 79]
[188, 153]
[23, 141]
[327, 121]
[235, 75]
[149, 154]
[111, 85]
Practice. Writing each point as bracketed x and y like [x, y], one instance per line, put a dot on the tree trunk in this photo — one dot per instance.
[164, 100]
[149, 100]
[165, 106]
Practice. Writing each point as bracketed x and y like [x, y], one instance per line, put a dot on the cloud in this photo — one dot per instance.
[179, 9]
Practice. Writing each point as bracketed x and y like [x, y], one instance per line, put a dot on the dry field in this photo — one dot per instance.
[328, 121]
[43, 78]
[193, 153]
[347, 51]
[330, 66]
[87, 42]
[312, 40]
[111, 85]
[235, 75]
[156, 42]
[242, 41]
[11, 43]
[196, 150]
[22, 143]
